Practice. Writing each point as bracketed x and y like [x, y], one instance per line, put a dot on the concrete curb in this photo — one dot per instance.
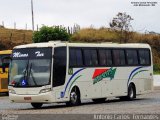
[156, 87]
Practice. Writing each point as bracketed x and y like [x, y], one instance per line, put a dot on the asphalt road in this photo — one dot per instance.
[148, 103]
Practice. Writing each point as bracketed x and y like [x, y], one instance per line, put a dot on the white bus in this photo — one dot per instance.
[69, 72]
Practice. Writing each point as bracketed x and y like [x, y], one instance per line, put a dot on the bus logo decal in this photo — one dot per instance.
[39, 54]
[100, 74]
[18, 54]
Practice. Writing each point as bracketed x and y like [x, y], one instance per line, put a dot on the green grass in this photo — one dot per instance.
[156, 72]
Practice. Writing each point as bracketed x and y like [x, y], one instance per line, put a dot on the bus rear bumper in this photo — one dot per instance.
[39, 98]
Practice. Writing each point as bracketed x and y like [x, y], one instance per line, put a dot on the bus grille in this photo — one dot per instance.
[4, 83]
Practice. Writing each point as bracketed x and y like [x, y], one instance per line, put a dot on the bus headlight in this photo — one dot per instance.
[45, 90]
[12, 91]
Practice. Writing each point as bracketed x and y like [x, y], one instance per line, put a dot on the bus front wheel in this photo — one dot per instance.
[131, 92]
[37, 105]
[74, 97]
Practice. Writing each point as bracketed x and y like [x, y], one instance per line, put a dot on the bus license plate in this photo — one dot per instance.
[27, 98]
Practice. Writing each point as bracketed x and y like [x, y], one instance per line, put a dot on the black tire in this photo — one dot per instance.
[99, 100]
[37, 105]
[131, 92]
[7, 93]
[74, 97]
[123, 98]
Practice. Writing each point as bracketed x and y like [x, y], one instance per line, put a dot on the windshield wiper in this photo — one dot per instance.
[25, 74]
[30, 73]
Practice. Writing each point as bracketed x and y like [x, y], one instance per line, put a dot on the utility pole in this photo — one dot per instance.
[32, 15]
[14, 25]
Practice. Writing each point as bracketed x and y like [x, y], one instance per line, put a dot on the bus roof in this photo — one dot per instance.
[105, 44]
[5, 52]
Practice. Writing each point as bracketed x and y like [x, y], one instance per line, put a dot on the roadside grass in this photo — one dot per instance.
[156, 72]
[11, 37]
[108, 35]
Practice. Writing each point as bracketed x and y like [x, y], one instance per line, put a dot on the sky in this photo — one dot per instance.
[85, 13]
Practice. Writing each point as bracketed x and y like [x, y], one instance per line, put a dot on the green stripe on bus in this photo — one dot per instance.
[74, 81]
[137, 73]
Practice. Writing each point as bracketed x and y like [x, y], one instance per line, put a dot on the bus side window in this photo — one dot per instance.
[72, 57]
[132, 57]
[94, 57]
[119, 57]
[105, 57]
[90, 57]
[79, 58]
[87, 58]
[108, 57]
[102, 57]
[75, 57]
[144, 57]
[59, 66]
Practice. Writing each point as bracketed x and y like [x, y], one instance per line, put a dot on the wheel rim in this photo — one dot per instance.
[131, 93]
[74, 97]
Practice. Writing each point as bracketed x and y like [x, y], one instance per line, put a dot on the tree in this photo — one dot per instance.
[122, 24]
[50, 33]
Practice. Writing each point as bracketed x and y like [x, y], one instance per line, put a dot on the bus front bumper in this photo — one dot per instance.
[39, 98]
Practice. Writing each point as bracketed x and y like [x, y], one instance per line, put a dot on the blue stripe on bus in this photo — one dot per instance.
[63, 93]
[133, 72]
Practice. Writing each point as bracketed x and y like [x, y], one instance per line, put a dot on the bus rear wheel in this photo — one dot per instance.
[37, 105]
[74, 97]
[99, 100]
[131, 92]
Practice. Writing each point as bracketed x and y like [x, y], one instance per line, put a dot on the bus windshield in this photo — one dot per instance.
[30, 67]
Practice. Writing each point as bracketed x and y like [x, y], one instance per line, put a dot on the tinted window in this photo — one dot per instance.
[60, 56]
[144, 57]
[132, 58]
[79, 58]
[6, 60]
[75, 57]
[119, 57]
[87, 58]
[90, 57]
[94, 57]
[72, 57]
[59, 66]
[105, 57]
